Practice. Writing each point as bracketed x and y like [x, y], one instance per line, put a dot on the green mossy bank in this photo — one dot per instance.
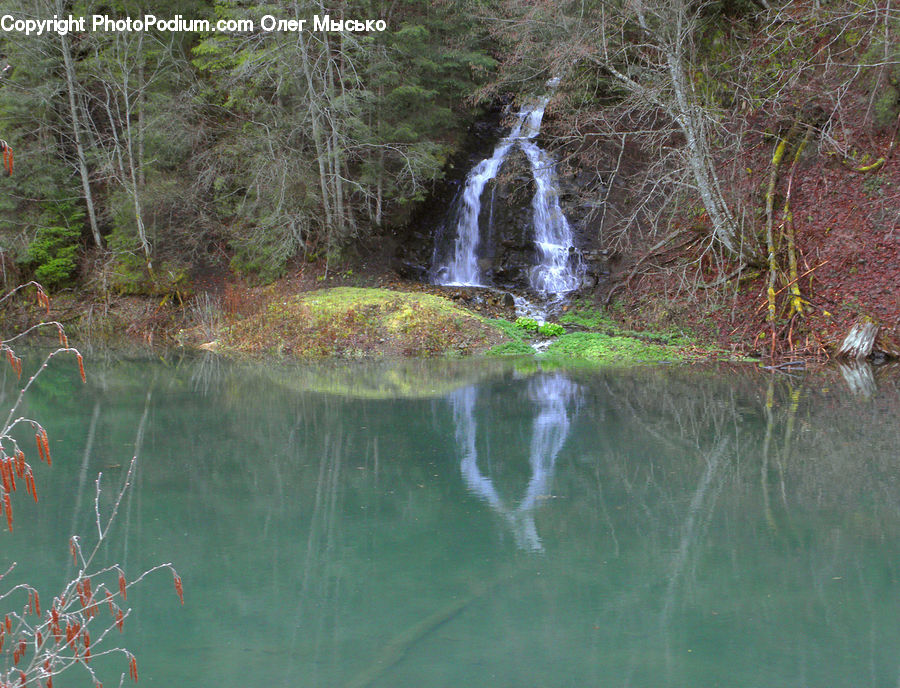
[585, 334]
[357, 323]
[352, 323]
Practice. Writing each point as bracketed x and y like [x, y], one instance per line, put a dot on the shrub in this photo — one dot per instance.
[527, 324]
[551, 330]
[54, 251]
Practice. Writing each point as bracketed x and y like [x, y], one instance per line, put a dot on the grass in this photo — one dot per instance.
[587, 316]
[517, 348]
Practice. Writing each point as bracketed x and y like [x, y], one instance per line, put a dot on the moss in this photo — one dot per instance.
[351, 322]
[517, 348]
[670, 338]
[358, 323]
[587, 316]
[509, 329]
[604, 348]
[604, 342]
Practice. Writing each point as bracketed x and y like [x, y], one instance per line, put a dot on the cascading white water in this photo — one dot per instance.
[557, 271]
[462, 267]
[553, 396]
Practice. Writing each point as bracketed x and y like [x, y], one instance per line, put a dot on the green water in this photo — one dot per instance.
[478, 525]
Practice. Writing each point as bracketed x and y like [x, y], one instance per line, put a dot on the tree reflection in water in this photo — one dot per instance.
[713, 526]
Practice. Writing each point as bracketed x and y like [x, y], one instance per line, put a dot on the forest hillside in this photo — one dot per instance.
[728, 165]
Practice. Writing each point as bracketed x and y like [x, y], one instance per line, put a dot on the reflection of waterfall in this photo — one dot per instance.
[556, 271]
[552, 395]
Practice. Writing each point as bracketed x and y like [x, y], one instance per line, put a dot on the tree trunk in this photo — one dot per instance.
[134, 166]
[318, 138]
[140, 124]
[379, 190]
[699, 160]
[128, 178]
[76, 131]
[690, 117]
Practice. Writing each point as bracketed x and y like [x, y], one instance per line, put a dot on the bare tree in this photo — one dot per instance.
[647, 48]
[72, 91]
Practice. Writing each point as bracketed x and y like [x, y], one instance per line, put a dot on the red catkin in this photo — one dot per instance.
[179, 589]
[38, 438]
[46, 442]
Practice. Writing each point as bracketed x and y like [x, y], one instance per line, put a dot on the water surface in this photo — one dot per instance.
[482, 525]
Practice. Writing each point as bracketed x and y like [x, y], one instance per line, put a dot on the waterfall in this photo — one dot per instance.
[462, 267]
[556, 271]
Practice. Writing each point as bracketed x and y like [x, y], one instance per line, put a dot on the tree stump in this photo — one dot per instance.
[859, 341]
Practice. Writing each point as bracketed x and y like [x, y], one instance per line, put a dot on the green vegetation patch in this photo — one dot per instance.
[585, 315]
[349, 322]
[527, 324]
[514, 348]
[600, 347]
[517, 339]
[551, 330]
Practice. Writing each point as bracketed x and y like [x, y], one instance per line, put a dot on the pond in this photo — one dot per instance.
[479, 524]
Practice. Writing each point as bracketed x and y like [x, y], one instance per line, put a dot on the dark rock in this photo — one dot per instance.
[487, 301]
[594, 256]
[410, 271]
